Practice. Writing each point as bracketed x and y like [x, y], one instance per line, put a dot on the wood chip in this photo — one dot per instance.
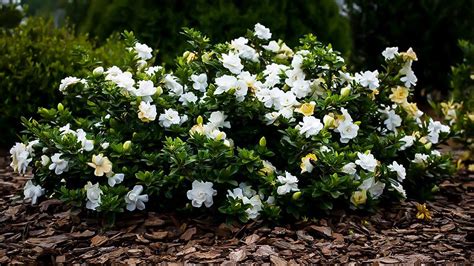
[99, 240]
[238, 256]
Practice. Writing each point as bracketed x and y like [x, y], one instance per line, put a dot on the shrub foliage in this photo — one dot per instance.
[249, 128]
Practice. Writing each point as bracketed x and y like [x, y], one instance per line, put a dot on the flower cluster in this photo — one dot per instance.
[251, 127]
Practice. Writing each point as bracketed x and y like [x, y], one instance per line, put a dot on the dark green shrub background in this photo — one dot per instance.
[34, 58]
[157, 23]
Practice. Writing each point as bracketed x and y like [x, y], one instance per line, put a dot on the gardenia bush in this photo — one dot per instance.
[252, 129]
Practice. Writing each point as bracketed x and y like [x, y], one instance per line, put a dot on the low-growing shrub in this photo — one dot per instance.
[249, 128]
[34, 57]
[458, 112]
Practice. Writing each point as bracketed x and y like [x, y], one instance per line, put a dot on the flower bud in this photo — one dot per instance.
[127, 145]
[359, 197]
[189, 56]
[98, 71]
[428, 145]
[199, 120]
[345, 91]
[328, 121]
[296, 195]
[159, 91]
[262, 142]
[60, 107]
[206, 57]
[220, 136]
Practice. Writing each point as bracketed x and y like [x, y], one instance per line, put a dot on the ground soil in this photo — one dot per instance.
[52, 233]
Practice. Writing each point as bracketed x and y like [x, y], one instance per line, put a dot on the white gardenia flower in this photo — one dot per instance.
[232, 62]
[301, 88]
[123, 80]
[19, 155]
[252, 199]
[366, 161]
[87, 145]
[434, 128]
[45, 160]
[288, 183]
[146, 111]
[399, 169]
[390, 53]
[399, 188]
[408, 142]
[32, 192]
[201, 192]
[286, 99]
[93, 195]
[262, 32]
[348, 130]
[105, 145]
[272, 46]
[143, 51]
[169, 117]
[268, 97]
[217, 119]
[256, 206]
[375, 189]
[270, 118]
[368, 79]
[225, 83]
[409, 79]
[236, 193]
[134, 200]
[58, 165]
[187, 98]
[172, 84]
[146, 89]
[152, 70]
[436, 153]
[310, 126]
[113, 179]
[392, 120]
[244, 51]
[420, 158]
[200, 82]
[68, 81]
[324, 149]
[349, 168]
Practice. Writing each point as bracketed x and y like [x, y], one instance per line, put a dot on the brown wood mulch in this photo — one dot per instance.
[50, 233]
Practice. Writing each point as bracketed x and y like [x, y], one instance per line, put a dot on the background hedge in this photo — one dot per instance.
[35, 57]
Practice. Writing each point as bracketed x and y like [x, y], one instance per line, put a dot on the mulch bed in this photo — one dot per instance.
[50, 233]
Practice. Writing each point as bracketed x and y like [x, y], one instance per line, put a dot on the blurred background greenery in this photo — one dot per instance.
[37, 53]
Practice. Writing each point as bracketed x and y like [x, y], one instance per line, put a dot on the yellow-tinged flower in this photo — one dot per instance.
[471, 116]
[416, 134]
[306, 165]
[101, 164]
[409, 55]
[465, 155]
[345, 91]
[399, 95]
[307, 109]
[267, 169]
[423, 140]
[329, 121]
[189, 56]
[470, 168]
[359, 197]
[373, 93]
[410, 108]
[423, 212]
[199, 129]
